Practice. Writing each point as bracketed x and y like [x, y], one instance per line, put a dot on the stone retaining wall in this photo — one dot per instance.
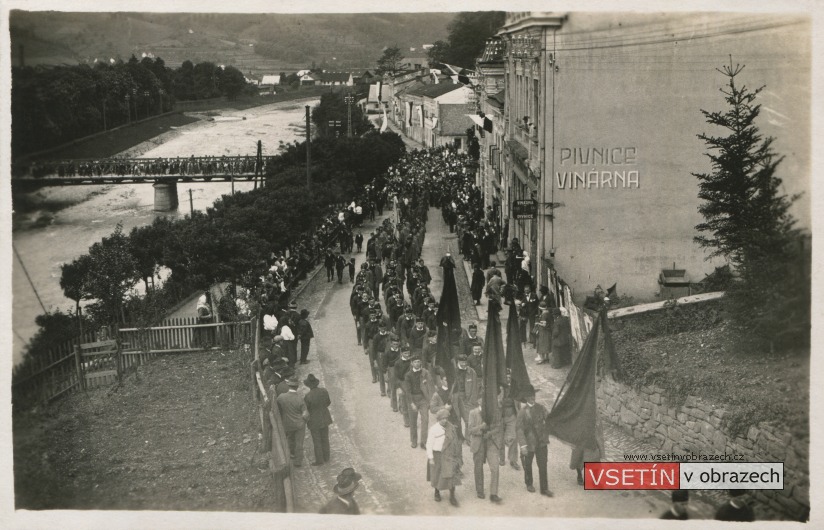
[699, 427]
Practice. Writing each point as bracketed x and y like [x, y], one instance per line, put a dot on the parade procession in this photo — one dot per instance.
[489, 268]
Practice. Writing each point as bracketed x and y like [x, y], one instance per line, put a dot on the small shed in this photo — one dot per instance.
[674, 283]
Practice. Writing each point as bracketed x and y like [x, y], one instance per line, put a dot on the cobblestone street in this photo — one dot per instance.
[370, 437]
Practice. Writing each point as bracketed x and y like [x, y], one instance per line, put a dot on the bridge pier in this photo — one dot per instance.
[165, 196]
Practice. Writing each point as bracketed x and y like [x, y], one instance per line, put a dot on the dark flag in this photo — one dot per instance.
[515, 355]
[611, 291]
[494, 362]
[572, 418]
[449, 318]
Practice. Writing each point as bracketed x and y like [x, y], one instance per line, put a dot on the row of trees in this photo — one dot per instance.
[229, 242]
[54, 105]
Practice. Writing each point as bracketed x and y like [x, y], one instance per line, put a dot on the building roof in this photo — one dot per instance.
[493, 51]
[334, 77]
[454, 120]
[434, 90]
[270, 80]
[497, 100]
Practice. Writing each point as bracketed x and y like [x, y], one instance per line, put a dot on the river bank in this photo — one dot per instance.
[88, 213]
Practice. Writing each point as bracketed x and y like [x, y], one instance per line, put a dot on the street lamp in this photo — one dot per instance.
[349, 100]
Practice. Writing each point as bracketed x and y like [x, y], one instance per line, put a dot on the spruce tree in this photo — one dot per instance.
[747, 219]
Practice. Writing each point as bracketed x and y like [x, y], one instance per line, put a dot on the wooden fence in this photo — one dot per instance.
[49, 376]
[274, 436]
[79, 364]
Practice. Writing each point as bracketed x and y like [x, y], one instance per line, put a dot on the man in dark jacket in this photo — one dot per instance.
[329, 263]
[317, 404]
[736, 508]
[533, 439]
[344, 503]
[340, 264]
[305, 334]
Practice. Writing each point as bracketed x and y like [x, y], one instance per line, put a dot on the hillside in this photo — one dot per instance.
[255, 43]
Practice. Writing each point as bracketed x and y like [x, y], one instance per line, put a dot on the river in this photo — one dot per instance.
[75, 228]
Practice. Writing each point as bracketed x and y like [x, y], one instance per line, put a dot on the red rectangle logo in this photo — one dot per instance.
[631, 476]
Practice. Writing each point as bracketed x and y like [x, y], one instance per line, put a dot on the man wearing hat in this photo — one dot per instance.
[533, 439]
[736, 508]
[387, 362]
[344, 503]
[293, 413]
[678, 510]
[509, 414]
[305, 334]
[402, 366]
[317, 405]
[465, 391]
[484, 441]
[470, 338]
[377, 344]
[418, 387]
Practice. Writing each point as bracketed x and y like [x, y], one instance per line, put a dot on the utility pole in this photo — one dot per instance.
[191, 204]
[349, 100]
[308, 149]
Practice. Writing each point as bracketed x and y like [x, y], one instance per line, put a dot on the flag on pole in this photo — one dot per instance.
[573, 416]
[494, 362]
[515, 355]
[384, 125]
[449, 318]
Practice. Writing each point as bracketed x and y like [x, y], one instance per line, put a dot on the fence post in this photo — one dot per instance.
[79, 367]
[253, 368]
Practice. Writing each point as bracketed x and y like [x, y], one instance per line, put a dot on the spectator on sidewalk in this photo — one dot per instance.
[359, 241]
[478, 282]
[294, 414]
[317, 405]
[305, 334]
[340, 264]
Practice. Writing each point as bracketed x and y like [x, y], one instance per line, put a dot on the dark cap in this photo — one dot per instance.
[680, 496]
[311, 381]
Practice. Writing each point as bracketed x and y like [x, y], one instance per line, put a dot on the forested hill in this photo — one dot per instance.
[254, 43]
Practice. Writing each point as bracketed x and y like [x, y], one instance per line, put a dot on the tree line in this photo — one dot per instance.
[54, 105]
[229, 242]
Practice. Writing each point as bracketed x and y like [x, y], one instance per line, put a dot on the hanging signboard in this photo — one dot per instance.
[524, 209]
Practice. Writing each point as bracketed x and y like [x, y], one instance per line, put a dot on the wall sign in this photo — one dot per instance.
[597, 167]
[524, 209]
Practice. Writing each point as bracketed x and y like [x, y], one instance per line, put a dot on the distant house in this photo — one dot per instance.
[365, 79]
[270, 80]
[335, 78]
[414, 63]
[309, 79]
[302, 73]
[435, 114]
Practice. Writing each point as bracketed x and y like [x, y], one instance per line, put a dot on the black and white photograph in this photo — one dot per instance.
[485, 264]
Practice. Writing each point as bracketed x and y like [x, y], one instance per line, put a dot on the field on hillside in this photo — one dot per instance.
[180, 434]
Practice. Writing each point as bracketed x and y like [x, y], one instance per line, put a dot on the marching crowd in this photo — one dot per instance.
[395, 320]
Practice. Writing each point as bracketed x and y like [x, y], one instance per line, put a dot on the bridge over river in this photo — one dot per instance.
[162, 173]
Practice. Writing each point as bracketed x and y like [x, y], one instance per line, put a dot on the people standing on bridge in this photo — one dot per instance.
[305, 334]
[533, 440]
[444, 457]
[293, 412]
[317, 405]
[344, 502]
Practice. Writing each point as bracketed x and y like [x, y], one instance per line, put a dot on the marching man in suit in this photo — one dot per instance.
[533, 439]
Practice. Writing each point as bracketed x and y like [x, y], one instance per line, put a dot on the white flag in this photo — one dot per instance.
[384, 124]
